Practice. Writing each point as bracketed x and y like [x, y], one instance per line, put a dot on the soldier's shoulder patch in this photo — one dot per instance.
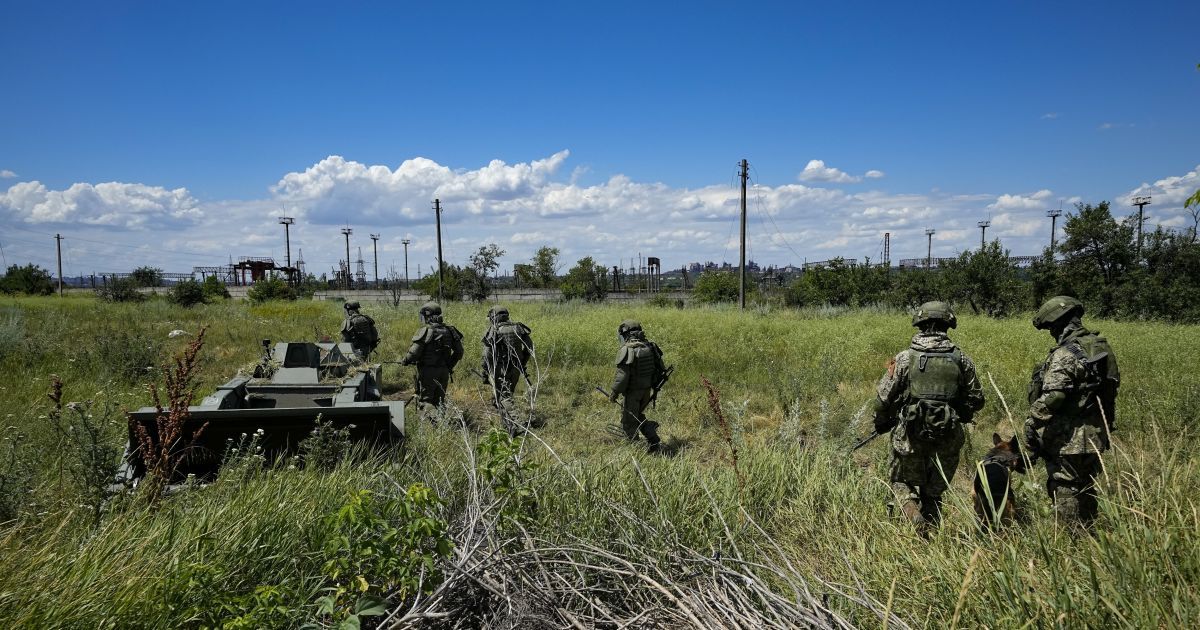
[891, 367]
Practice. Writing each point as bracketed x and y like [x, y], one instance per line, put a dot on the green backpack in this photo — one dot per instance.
[933, 384]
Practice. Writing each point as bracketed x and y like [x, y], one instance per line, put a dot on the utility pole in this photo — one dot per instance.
[745, 173]
[1053, 214]
[375, 249]
[983, 226]
[437, 211]
[1141, 203]
[287, 237]
[406, 242]
[887, 250]
[929, 252]
[58, 246]
[347, 232]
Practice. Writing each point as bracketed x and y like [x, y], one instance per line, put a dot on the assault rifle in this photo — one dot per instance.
[863, 442]
[666, 376]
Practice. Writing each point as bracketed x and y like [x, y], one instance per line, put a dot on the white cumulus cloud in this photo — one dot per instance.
[816, 171]
[112, 204]
[7, 174]
[1032, 201]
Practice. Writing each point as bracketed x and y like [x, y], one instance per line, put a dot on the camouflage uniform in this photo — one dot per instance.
[359, 331]
[507, 346]
[926, 422]
[1071, 395]
[639, 368]
[436, 348]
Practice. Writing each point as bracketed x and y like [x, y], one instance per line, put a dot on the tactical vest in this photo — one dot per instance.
[510, 344]
[643, 363]
[439, 346]
[361, 330]
[1098, 391]
[933, 390]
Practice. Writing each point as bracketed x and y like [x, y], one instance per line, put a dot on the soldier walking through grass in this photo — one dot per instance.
[507, 348]
[436, 348]
[640, 371]
[1072, 408]
[359, 331]
[928, 392]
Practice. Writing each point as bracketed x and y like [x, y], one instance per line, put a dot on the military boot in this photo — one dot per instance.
[911, 510]
[650, 430]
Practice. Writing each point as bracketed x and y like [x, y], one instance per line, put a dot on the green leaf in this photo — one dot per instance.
[326, 605]
[349, 623]
[370, 606]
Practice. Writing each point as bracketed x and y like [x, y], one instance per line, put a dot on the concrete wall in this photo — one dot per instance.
[368, 296]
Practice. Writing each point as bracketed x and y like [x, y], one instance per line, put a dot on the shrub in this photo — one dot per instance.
[713, 287]
[586, 280]
[30, 279]
[147, 277]
[187, 293]
[119, 290]
[87, 444]
[268, 289]
[214, 289]
[130, 356]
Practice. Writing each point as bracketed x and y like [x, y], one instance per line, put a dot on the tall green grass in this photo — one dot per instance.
[794, 383]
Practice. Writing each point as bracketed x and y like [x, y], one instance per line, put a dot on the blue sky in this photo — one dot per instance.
[197, 113]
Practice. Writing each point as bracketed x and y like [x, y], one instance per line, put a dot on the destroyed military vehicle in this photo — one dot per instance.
[293, 385]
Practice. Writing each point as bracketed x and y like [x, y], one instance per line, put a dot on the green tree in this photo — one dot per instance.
[1098, 253]
[985, 279]
[30, 279]
[147, 276]
[214, 289]
[545, 267]
[483, 262]
[457, 279]
[713, 287]
[586, 280]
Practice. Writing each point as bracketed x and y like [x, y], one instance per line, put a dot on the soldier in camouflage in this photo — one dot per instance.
[929, 391]
[639, 369]
[359, 331]
[507, 347]
[436, 348]
[1072, 408]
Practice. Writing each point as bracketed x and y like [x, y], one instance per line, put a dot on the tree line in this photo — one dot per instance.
[1098, 261]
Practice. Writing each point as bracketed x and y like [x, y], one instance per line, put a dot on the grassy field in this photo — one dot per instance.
[255, 548]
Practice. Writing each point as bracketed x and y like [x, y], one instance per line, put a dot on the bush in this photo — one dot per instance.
[147, 277]
[713, 287]
[214, 289]
[30, 279]
[457, 279]
[269, 289]
[130, 356]
[187, 293]
[586, 280]
[120, 290]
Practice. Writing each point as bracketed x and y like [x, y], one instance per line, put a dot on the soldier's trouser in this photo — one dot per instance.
[633, 416]
[919, 479]
[504, 383]
[432, 382]
[1071, 484]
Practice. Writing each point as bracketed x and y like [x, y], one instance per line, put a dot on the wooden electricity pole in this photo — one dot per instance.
[745, 173]
[58, 246]
[437, 210]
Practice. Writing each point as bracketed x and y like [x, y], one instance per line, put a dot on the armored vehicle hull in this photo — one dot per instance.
[296, 384]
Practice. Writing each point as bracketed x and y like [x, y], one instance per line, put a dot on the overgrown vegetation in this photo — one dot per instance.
[569, 522]
[585, 281]
[28, 280]
[271, 289]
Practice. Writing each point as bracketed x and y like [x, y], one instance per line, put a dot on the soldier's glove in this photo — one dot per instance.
[884, 423]
[1033, 442]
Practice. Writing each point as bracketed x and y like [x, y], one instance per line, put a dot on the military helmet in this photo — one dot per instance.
[498, 313]
[1055, 309]
[351, 306]
[430, 309]
[629, 326]
[935, 311]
